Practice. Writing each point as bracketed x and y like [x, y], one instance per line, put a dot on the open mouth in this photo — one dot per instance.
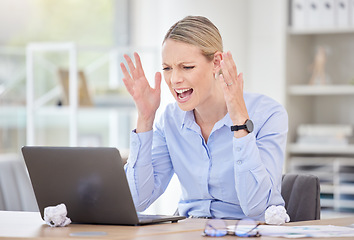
[184, 93]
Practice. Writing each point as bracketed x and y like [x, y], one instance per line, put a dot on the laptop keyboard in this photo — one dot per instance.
[146, 216]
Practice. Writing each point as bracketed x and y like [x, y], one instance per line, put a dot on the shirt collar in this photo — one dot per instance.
[188, 120]
[225, 121]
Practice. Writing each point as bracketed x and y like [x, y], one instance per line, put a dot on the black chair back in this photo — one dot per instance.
[301, 194]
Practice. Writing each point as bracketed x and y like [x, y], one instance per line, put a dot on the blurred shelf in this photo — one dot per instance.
[327, 189]
[332, 161]
[113, 100]
[57, 116]
[11, 109]
[330, 214]
[65, 110]
[100, 103]
[321, 90]
[320, 149]
[12, 117]
[346, 203]
[345, 189]
[327, 202]
[317, 31]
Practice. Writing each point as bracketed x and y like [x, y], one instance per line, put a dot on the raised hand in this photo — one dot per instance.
[232, 85]
[146, 98]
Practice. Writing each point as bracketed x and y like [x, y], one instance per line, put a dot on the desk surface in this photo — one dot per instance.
[30, 225]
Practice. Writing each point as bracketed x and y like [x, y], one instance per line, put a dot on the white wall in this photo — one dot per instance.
[153, 18]
[253, 30]
[13, 18]
[265, 67]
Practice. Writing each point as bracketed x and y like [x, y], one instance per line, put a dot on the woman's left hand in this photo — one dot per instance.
[232, 85]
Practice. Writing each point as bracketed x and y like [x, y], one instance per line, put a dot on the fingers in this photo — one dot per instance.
[229, 69]
[158, 78]
[129, 86]
[230, 62]
[128, 81]
[130, 63]
[240, 79]
[125, 71]
[136, 70]
[229, 78]
[139, 67]
[136, 74]
[222, 83]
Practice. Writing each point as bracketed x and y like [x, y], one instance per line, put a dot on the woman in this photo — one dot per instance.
[225, 146]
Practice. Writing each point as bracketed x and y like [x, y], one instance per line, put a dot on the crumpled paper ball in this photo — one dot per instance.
[276, 215]
[55, 216]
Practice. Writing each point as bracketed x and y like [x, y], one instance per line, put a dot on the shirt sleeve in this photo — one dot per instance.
[258, 164]
[148, 173]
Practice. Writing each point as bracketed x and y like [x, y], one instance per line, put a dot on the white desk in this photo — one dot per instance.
[30, 225]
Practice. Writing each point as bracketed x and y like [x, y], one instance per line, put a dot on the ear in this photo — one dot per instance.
[217, 62]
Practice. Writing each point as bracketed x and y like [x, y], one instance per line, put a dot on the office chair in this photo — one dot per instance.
[16, 193]
[301, 194]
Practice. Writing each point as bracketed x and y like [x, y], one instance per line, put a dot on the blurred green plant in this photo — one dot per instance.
[86, 22]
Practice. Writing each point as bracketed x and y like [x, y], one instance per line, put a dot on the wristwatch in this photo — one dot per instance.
[248, 126]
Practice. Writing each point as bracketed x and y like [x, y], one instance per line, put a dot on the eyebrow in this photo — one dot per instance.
[180, 63]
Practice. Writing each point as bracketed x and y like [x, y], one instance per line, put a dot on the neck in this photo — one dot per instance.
[211, 112]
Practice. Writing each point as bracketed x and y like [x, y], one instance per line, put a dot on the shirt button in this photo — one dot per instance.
[134, 144]
[239, 162]
[238, 149]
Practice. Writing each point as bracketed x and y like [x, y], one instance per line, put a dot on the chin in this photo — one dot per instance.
[185, 107]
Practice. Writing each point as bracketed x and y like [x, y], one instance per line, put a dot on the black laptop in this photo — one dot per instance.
[90, 181]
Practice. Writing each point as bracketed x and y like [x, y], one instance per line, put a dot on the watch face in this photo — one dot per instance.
[249, 126]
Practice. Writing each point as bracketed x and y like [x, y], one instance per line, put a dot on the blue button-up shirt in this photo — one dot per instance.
[225, 177]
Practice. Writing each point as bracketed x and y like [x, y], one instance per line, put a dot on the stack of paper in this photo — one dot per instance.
[321, 231]
[324, 134]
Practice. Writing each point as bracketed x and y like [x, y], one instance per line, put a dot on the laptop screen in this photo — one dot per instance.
[91, 182]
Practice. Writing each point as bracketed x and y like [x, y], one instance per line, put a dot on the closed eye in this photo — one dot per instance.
[188, 67]
[166, 68]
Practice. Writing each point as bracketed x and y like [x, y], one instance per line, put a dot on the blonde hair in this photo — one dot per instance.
[198, 31]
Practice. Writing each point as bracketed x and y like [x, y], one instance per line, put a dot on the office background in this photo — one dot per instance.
[274, 43]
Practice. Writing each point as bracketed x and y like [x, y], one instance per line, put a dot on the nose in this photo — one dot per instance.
[176, 77]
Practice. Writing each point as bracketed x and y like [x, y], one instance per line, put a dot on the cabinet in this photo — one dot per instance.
[39, 119]
[336, 174]
[74, 124]
[329, 104]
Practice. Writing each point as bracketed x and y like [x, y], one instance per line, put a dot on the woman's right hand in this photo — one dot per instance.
[146, 98]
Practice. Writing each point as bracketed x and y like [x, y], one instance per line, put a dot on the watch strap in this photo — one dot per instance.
[238, 127]
[248, 126]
